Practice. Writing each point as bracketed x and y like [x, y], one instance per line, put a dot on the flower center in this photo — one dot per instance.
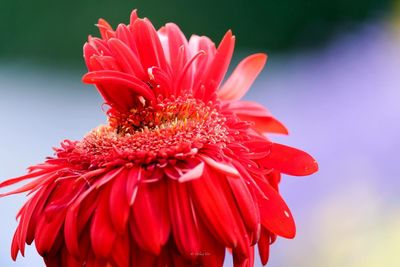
[173, 129]
[167, 113]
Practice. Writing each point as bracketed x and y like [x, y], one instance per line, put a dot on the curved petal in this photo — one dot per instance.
[194, 173]
[33, 174]
[119, 202]
[289, 160]
[47, 232]
[249, 108]
[220, 167]
[30, 213]
[148, 44]
[124, 34]
[263, 245]
[213, 249]
[106, 31]
[102, 232]
[121, 87]
[259, 115]
[128, 61]
[77, 221]
[183, 222]
[247, 206]
[121, 253]
[103, 63]
[214, 208]
[88, 52]
[266, 124]
[242, 77]
[160, 80]
[175, 41]
[100, 45]
[275, 214]
[219, 66]
[197, 44]
[133, 17]
[150, 224]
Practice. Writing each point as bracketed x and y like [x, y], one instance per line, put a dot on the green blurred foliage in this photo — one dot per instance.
[55, 30]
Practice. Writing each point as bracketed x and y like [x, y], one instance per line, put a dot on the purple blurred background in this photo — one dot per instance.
[341, 103]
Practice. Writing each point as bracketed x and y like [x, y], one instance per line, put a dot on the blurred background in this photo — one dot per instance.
[332, 77]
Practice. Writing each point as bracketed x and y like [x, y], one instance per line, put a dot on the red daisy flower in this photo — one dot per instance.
[182, 172]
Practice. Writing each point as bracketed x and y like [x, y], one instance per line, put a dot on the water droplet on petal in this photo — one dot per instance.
[287, 214]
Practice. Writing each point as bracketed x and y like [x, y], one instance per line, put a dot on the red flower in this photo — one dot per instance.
[183, 170]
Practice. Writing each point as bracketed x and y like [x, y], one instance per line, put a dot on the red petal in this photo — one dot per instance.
[102, 232]
[240, 261]
[101, 180]
[201, 65]
[36, 183]
[254, 112]
[184, 228]
[274, 178]
[133, 17]
[148, 44]
[124, 34]
[14, 245]
[184, 82]
[128, 61]
[266, 124]
[66, 259]
[119, 203]
[249, 108]
[119, 78]
[134, 177]
[77, 222]
[263, 246]
[289, 160]
[214, 251]
[100, 46]
[194, 173]
[161, 81]
[106, 31]
[247, 207]
[176, 49]
[150, 225]
[30, 216]
[243, 235]
[88, 52]
[213, 206]
[142, 258]
[176, 42]
[28, 176]
[47, 232]
[275, 214]
[103, 63]
[119, 88]
[121, 252]
[220, 64]
[71, 231]
[220, 167]
[242, 77]
[94, 261]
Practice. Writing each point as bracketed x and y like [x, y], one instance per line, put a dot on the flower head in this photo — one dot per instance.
[183, 170]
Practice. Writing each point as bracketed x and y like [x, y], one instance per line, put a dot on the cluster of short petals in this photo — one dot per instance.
[183, 172]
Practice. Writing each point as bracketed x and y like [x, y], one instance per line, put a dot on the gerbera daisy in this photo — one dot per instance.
[182, 172]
